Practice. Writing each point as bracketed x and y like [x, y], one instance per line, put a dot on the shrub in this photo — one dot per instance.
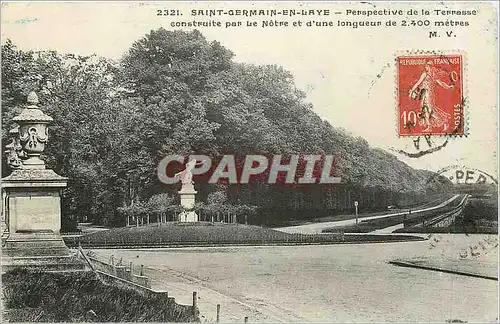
[34, 296]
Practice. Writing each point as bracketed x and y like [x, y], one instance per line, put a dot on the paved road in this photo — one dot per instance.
[317, 228]
[329, 283]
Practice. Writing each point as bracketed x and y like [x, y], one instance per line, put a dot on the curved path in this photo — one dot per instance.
[317, 228]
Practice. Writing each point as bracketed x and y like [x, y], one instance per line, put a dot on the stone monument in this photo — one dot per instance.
[187, 193]
[32, 204]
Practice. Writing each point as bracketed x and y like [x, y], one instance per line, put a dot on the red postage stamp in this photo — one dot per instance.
[430, 95]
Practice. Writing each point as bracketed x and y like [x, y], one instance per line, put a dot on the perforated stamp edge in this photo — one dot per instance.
[465, 93]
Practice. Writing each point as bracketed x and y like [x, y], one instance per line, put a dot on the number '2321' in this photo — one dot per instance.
[168, 12]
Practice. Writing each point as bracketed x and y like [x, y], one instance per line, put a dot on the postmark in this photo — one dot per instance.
[458, 175]
[430, 95]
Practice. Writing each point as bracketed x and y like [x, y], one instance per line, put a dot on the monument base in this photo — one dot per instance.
[188, 217]
[33, 215]
[49, 264]
[34, 244]
[187, 195]
[39, 251]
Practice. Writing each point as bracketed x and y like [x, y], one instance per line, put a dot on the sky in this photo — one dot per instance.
[348, 74]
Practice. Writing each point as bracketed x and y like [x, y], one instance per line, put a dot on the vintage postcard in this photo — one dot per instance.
[253, 162]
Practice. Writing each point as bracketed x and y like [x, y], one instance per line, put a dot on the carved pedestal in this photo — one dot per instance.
[33, 215]
[188, 194]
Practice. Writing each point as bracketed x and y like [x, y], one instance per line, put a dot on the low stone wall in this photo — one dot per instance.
[122, 276]
[39, 296]
[148, 292]
[120, 271]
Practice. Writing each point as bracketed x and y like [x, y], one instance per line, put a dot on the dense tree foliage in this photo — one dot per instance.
[177, 93]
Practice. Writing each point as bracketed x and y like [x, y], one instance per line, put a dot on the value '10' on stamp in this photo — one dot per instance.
[430, 95]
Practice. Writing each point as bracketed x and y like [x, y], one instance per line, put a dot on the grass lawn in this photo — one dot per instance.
[368, 225]
[33, 296]
[212, 234]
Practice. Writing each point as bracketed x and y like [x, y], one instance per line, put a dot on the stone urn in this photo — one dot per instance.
[33, 132]
[14, 151]
[32, 200]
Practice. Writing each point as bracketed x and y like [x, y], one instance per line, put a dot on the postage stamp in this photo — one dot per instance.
[430, 95]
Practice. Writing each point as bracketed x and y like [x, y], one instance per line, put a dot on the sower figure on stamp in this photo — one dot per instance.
[424, 91]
